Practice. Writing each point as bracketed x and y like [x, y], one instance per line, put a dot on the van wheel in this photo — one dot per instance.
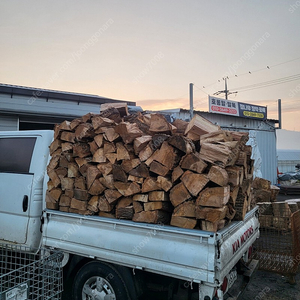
[99, 281]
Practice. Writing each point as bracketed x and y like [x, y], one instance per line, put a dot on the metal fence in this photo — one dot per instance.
[24, 275]
[278, 248]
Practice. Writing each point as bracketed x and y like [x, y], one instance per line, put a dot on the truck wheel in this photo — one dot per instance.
[99, 281]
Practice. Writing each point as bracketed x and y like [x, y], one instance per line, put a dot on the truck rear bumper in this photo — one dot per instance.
[238, 288]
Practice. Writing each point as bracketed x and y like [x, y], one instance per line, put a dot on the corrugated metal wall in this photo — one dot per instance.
[8, 123]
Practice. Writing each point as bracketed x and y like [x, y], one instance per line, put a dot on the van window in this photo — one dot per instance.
[15, 154]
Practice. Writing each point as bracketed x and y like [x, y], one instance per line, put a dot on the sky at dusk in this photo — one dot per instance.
[149, 51]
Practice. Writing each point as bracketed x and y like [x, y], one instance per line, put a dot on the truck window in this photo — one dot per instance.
[16, 154]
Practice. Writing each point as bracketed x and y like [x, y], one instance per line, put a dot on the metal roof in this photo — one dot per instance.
[288, 154]
[53, 94]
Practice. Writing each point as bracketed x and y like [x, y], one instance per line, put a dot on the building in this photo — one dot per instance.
[287, 160]
[24, 108]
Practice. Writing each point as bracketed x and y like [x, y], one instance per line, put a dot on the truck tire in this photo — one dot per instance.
[96, 280]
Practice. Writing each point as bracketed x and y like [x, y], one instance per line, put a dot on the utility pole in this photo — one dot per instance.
[191, 101]
[225, 91]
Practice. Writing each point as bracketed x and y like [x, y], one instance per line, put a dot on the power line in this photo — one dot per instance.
[269, 83]
[268, 67]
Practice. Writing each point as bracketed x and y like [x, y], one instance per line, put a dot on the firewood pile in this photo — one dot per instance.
[140, 167]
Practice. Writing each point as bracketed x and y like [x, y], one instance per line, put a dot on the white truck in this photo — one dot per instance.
[116, 259]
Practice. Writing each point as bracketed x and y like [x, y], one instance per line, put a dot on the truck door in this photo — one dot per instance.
[15, 187]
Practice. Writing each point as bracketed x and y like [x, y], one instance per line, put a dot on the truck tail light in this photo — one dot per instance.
[250, 250]
[224, 285]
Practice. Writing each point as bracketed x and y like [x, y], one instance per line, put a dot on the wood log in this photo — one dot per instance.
[81, 150]
[274, 193]
[218, 175]
[54, 195]
[80, 161]
[165, 156]
[266, 221]
[219, 154]
[119, 174]
[80, 183]
[54, 146]
[108, 147]
[50, 185]
[146, 153]
[54, 178]
[78, 204]
[124, 202]
[125, 212]
[67, 183]
[137, 207]
[65, 125]
[105, 168]
[180, 125]
[140, 171]
[158, 196]
[98, 121]
[261, 184]
[214, 197]
[179, 194]
[158, 140]
[233, 194]
[84, 131]
[193, 162]
[214, 227]
[104, 204]
[159, 124]
[185, 209]
[64, 208]
[235, 175]
[130, 164]
[107, 181]
[51, 205]
[241, 206]
[68, 136]
[69, 193]
[53, 163]
[63, 162]
[66, 147]
[158, 168]
[93, 204]
[111, 135]
[182, 143]
[199, 125]
[99, 140]
[216, 136]
[194, 182]
[92, 173]
[120, 106]
[127, 189]
[210, 214]
[135, 179]
[122, 152]
[140, 197]
[112, 157]
[111, 113]
[164, 183]
[176, 174]
[81, 195]
[106, 215]
[183, 222]
[141, 142]
[153, 216]
[265, 208]
[230, 211]
[128, 132]
[99, 156]
[150, 184]
[112, 196]
[158, 205]
[74, 123]
[262, 195]
[96, 188]
[73, 170]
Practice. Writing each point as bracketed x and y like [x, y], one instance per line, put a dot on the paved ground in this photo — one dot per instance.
[271, 286]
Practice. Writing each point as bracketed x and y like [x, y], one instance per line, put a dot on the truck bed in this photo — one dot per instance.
[187, 254]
